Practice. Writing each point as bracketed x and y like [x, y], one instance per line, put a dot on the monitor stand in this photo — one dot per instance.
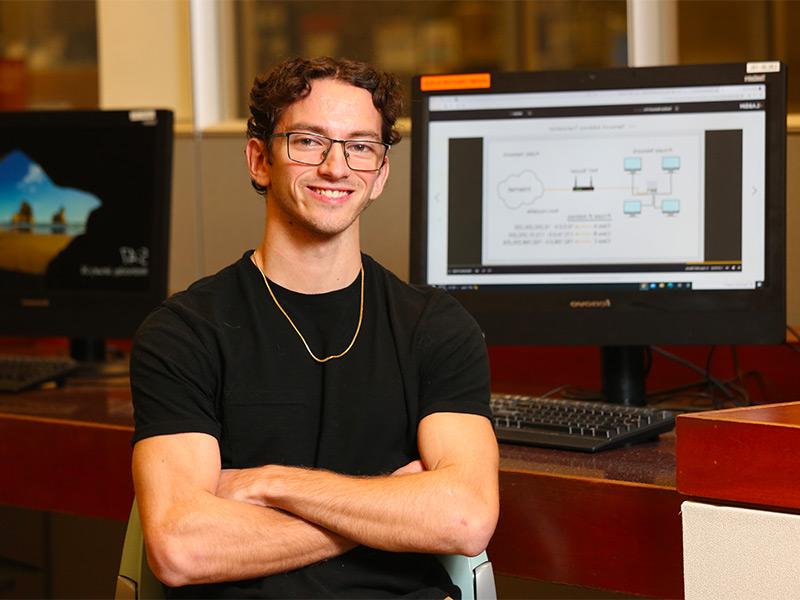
[623, 374]
[87, 350]
[92, 355]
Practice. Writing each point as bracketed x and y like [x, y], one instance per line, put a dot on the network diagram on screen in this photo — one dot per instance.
[646, 187]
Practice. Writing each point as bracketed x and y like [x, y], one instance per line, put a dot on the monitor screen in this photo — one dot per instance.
[620, 207]
[84, 220]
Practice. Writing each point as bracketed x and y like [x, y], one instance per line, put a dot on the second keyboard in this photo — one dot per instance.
[20, 372]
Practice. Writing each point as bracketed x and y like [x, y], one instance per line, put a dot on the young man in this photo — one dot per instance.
[307, 425]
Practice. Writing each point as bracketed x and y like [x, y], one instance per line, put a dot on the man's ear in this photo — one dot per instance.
[258, 161]
[380, 180]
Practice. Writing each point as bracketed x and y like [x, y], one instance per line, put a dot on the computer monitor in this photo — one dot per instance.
[84, 222]
[621, 208]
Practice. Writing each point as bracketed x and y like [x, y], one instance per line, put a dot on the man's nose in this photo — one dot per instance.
[335, 164]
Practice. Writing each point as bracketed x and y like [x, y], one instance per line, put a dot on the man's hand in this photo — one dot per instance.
[243, 485]
[415, 466]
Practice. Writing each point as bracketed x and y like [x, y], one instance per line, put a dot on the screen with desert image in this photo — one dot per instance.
[76, 203]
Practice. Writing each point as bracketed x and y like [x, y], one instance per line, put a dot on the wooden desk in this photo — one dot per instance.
[609, 520]
[741, 531]
[68, 450]
[743, 455]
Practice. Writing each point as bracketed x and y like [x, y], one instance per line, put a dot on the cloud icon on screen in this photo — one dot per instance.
[520, 189]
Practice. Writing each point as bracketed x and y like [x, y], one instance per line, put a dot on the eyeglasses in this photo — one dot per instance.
[313, 149]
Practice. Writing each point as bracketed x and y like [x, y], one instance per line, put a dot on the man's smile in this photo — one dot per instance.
[330, 194]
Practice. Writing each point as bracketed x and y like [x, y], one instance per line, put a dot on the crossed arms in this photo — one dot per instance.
[203, 524]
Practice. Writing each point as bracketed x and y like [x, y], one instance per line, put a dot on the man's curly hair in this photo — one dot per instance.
[291, 80]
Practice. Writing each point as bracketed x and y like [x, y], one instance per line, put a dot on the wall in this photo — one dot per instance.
[143, 55]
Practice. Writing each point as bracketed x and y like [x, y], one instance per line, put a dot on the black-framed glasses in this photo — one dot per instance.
[313, 148]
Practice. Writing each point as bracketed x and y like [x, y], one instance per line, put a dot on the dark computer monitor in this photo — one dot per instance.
[84, 221]
[619, 208]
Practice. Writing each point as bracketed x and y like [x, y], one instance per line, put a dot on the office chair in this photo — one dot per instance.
[472, 574]
[135, 580]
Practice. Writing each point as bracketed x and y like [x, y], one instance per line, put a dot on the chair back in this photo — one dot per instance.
[135, 580]
[472, 574]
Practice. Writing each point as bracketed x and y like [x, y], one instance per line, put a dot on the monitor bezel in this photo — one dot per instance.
[544, 316]
[99, 313]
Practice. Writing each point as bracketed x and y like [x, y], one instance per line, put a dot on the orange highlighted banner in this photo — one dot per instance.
[469, 81]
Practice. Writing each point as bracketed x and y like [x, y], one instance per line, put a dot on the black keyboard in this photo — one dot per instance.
[19, 372]
[575, 424]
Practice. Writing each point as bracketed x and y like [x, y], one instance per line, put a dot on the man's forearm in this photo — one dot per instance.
[447, 502]
[194, 536]
[223, 540]
[432, 511]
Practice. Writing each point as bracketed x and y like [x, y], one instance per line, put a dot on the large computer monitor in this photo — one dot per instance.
[621, 208]
[84, 222]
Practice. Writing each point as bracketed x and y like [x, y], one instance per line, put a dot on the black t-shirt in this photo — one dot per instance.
[222, 359]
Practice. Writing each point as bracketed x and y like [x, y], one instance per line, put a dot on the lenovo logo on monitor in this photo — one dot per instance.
[590, 303]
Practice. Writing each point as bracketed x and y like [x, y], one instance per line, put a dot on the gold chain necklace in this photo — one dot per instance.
[297, 331]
